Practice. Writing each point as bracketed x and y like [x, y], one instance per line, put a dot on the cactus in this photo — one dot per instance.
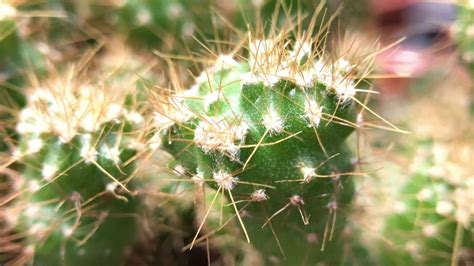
[17, 53]
[270, 131]
[464, 32]
[432, 223]
[77, 149]
[148, 24]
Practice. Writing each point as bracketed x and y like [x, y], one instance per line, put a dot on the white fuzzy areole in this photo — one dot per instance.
[313, 112]
[111, 153]
[429, 230]
[273, 121]
[34, 145]
[259, 195]
[225, 180]
[64, 110]
[88, 152]
[174, 112]
[308, 173]
[219, 135]
[48, 171]
[444, 208]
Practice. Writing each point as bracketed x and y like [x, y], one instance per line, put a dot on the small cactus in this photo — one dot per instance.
[270, 131]
[76, 151]
[432, 222]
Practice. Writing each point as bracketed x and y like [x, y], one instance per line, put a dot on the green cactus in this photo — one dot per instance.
[77, 147]
[17, 53]
[464, 32]
[149, 24]
[429, 220]
[270, 130]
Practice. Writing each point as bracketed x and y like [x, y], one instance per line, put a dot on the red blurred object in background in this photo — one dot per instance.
[422, 26]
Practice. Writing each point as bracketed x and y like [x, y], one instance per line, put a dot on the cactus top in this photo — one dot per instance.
[284, 107]
[67, 108]
[269, 126]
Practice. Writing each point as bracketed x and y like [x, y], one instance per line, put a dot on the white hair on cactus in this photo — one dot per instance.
[444, 208]
[273, 121]
[32, 210]
[67, 231]
[429, 230]
[313, 112]
[33, 186]
[271, 62]
[111, 153]
[175, 10]
[48, 171]
[143, 17]
[65, 109]
[174, 111]
[225, 180]
[88, 152]
[223, 62]
[424, 194]
[211, 98]
[308, 173]
[300, 50]
[135, 117]
[259, 195]
[37, 228]
[34, 145]
[219, 135]
[463, 198]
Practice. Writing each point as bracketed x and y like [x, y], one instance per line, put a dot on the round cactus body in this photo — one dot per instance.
[432, 220]
[76, 204]
[271, 131]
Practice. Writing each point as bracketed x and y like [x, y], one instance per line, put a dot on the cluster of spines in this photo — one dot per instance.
[76, 155]
[270, 130]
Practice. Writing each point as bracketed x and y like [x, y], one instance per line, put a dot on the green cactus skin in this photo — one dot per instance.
[16, 55]
[432, 219]
[146, 24]
[77, 147]
[246, 129]
[464, 31]
[173, 211]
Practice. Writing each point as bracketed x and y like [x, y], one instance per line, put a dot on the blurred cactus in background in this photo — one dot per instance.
[464, 32]
[75, 151]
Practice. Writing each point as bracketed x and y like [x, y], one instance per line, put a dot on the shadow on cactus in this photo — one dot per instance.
[266, 126]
